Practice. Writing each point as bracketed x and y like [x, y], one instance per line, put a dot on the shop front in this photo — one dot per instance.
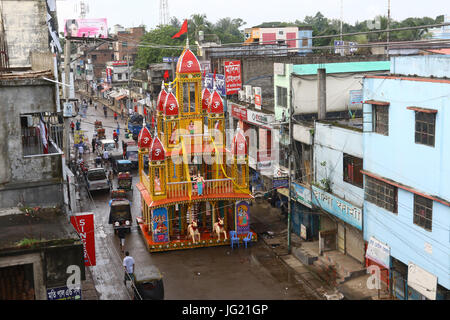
[345, 220]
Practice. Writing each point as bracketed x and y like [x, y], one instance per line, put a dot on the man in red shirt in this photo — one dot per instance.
[115, 116]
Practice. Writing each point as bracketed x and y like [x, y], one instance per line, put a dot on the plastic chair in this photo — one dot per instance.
[234, 238]
[248, 238]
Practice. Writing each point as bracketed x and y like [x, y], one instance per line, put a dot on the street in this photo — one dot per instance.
[204, 274]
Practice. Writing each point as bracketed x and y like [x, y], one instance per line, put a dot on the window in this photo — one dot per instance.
[352, 167]
[94, 57]
[304, 42]
[282, 97]
[42, 133]
[425, 128]
[189, 97]
[119, 76]
[124, 44]
[423, 211]
[381, 119]
[381, 194]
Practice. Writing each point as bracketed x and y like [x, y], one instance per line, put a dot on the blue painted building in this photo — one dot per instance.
[406, 149]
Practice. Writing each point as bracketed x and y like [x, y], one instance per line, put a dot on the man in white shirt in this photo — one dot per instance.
[128, 266]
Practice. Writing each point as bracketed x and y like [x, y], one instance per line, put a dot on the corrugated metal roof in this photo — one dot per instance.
[342, 67]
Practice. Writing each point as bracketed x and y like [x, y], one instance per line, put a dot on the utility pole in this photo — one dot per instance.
[66, 97]
[388, 25]
[342, 16]
[291, 114]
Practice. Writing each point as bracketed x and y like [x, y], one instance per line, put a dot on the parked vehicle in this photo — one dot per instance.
[133, 156]
[97, 179]
[148, 284]
[120, 214]
[98, 124]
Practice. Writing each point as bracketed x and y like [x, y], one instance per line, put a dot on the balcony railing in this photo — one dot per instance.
[216, 186]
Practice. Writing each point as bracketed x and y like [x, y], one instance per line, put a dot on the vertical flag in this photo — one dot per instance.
[183, 30]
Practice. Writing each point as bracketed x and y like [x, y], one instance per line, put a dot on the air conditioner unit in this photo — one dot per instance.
[248, 93]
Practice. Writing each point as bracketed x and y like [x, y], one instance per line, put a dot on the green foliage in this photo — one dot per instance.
[27, 242]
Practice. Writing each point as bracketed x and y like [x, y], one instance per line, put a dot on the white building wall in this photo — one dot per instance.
[330, 144]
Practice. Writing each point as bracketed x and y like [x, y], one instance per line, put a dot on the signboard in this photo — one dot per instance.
[337, 207]
[63, 293]
[378, 252]
[220, 83]
[84, 225]
[170, 59]
[301, 194]
[118, 63]
[238, 112]
[264, 165]
[88, 28]
[280, 182]
[422, 281]
[356, 97]
[258, 100]
[233, 76]
[109, 75]
[205, 66]
[259, 118]
[242, 217]
[160, 228]
[68, 109]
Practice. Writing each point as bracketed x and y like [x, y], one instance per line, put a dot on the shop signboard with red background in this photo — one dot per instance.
[233, 76]
[238, 112]
[84, 225]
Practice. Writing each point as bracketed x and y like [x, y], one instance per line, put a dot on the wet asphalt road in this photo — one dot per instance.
[214, 273]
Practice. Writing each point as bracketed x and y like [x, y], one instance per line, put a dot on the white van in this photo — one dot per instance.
[97, 179]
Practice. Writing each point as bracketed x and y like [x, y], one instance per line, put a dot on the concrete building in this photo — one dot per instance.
[407, 175]
[125, 47]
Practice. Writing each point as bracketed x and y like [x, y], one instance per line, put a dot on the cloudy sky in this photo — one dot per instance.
[131, 13]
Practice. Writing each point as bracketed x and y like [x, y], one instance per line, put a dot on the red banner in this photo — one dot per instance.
[238, 112]
[84, 225]
[233, 76]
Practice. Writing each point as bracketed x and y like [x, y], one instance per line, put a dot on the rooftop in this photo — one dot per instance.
[355, 124]
[341, 67]
[37, 228]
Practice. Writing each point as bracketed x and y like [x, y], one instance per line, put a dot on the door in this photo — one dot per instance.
[341, 238]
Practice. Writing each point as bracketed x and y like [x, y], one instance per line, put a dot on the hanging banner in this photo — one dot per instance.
[242, 217]
[84, 225]
[220, 83]
[378, 252]
[160, 228]
[233, 76]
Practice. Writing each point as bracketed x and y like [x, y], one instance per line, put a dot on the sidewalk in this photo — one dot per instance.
[271, 227]
[88, 291]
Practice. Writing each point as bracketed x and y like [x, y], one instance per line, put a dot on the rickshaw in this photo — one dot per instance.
[124, 180]
[120, 214]
[101, 133]
[120, 165]
[148, 284]
[118, 194]
[98, 124]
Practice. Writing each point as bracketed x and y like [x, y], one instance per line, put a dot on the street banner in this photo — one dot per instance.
[378, 252]
[160, 227]
[258, 100]
[109, 75]
[233, 76]
[88, 28]
[220, 83]
[84, 225]
[242, 217]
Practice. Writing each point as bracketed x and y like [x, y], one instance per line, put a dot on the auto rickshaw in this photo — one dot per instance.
[98, 124]
[121, 165]
[118, 194]
[101, 133]
[124, 180]
[148, 283]
[120, 214]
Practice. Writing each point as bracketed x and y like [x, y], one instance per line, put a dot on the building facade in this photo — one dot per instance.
[406, 168]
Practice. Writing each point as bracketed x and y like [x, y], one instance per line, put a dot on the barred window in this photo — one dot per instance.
[425, 128]
[423, 212]
[381, 194]
[282, 96]
[42, 133]
[381, 119]
[352, 170]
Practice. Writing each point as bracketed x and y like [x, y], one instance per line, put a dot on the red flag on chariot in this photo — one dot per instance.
[183, 30]
[166, 75]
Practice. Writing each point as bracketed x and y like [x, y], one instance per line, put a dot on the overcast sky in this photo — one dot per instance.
[131, 13]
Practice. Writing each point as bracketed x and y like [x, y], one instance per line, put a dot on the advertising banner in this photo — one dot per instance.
[337, 207]
[242, 217]
[233, 76]
[378, 252]
[422, 281]
[220, 83]
[84, 225]
[160, 228]
[301, 194]
[260, 119]
[238, 112]
[109, 75]
[280, 182]
[356, 97]
[88, 28]
[63, 293]
[258, 99]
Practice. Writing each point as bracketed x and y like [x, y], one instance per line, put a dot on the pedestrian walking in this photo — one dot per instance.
[118, 129]
[90, 101]
[72, 126]
[105, 111]
[121, 233]
[94, 144]
[106, 157]
[121, 113]
[115, 116]
[95, 105]
[78, 125]
[128, 266]
[80, 151]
